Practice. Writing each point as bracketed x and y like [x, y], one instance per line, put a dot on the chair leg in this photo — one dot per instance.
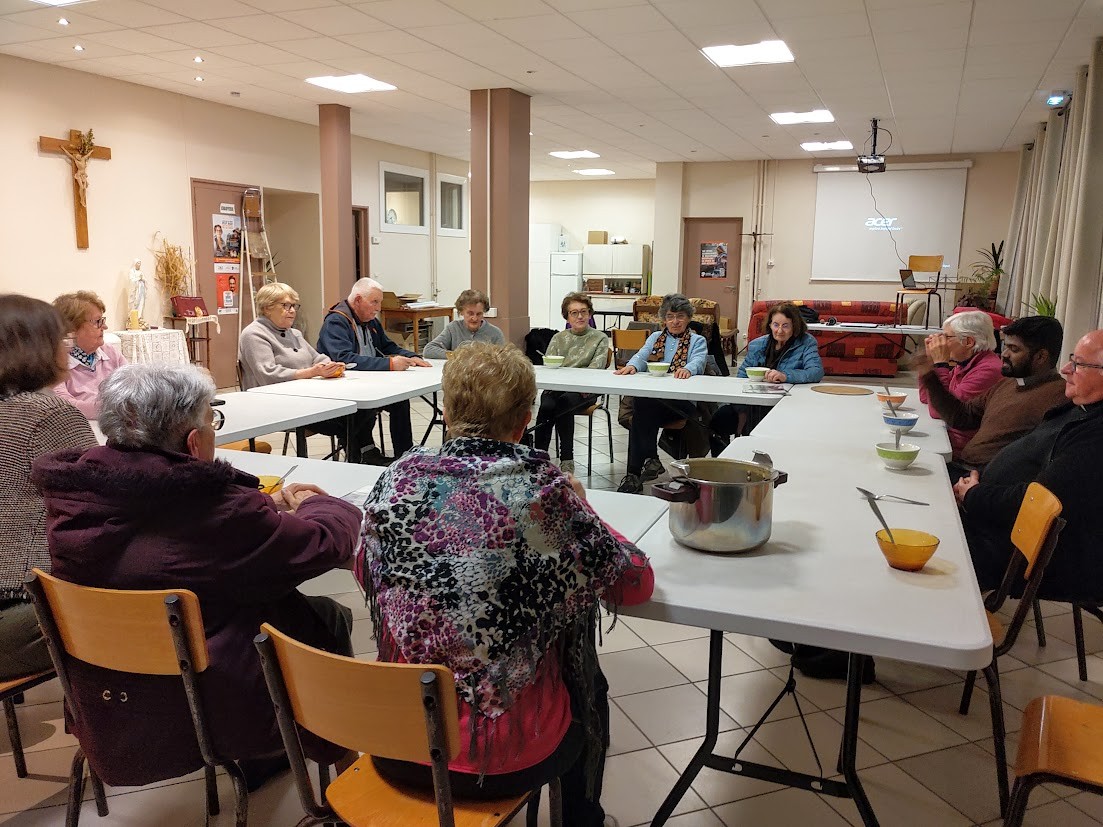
[16, 740]
[1039, 628]
[609, 430]
[241, 793]
[212, 791]
[76, 789]
[967, 693]
[286, 441]
[532, 810]
[97, 792]
[1016, 810]
[1078, 630]
[999, 732]
[555, 802]
[590, 445]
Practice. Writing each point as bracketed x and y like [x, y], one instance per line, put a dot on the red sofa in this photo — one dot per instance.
[842, 353]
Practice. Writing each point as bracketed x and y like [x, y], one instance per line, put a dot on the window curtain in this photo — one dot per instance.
[1056, 236]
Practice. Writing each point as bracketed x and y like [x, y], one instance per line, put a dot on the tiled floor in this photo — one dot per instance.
[921, 763]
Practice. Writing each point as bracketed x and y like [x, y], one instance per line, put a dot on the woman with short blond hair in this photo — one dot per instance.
[472, 305]
[484, 557]
[90, 360]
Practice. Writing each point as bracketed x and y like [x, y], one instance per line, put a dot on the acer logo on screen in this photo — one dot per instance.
[888, 224]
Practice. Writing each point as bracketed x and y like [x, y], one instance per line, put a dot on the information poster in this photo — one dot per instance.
[226, 239]
[714, 259]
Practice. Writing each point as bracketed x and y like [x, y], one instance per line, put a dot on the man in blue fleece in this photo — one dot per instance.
[352, 333]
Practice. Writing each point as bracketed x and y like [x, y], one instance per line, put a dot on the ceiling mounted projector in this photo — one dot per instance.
[871, 163]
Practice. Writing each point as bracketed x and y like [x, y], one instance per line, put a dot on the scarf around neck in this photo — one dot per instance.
[84, 357]
[681, 353]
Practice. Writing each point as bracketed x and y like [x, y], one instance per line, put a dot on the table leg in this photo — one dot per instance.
[436, 420]
[849, 752]
[712, 730]
[352, 440]
[300, 443]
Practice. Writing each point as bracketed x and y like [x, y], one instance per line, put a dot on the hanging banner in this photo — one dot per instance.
[226, 238]
[227, 293]
[714, 259]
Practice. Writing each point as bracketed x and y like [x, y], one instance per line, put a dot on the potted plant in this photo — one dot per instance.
[983, 281]
[1041, 304]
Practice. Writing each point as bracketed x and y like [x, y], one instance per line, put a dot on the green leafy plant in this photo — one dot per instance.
[1041, 304]
[983, 280]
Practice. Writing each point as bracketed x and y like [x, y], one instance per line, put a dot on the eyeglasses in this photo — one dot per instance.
[578, 314]
[677, 317]
[289, 306]
[218, 419]
[1077, 364]
[780, 326]
[101, 322]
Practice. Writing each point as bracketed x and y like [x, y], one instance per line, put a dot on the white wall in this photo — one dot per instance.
[159, 141]
[623, 208]
[294, 234]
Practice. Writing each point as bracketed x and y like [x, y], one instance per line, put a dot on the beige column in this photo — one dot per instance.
[500, 205]
[338, 261]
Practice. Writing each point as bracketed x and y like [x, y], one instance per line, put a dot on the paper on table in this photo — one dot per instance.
[358, 496]
[768, 388]
[422, 305]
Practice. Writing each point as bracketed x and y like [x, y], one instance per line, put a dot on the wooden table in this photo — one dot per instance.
[821, 579]
[416, 315]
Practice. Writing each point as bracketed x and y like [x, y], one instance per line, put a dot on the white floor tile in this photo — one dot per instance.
[900, 676]
[1057, 812]
[1069, 672]
[941, 703]
[637, 783]
[1023, 685]
[896, 729]
[787, 740]
[656, 632]
[716, 787]
[899, 800]
[638, 670]
[691, 658]
[745, 697]
[618, 639]
[672, 714]
[624, 736]
[41, 727]
[760, 649]
[828, 694]
[964, 776]
[786, 807]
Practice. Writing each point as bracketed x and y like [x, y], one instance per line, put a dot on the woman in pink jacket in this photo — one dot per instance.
[90, 360]
[965, 362]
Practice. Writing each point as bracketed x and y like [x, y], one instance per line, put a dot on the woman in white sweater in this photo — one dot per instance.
[470, 327]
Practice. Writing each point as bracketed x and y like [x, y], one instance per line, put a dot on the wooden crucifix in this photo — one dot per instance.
[79, 150]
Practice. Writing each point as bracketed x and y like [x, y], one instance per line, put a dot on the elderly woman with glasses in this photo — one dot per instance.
[581, 346]
[470, 327]
[90, 360]
[33, 422]
[685, 353]
[965, 362]
[484, 557]
[153, 509]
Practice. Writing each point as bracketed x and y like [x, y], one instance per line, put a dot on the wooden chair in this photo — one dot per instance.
[406, 712]
[10, 694]
[1078, 609]
[1034, 536]
[143, 632]
[625, 341]
[923, 264]
[1061, 742]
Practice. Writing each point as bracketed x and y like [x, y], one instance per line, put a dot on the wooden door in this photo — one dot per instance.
[211, 198]
[711, 250]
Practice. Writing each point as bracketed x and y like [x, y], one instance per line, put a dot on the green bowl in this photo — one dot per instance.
[554, 361]
[756, 373]
[897, 458]
[658, 368]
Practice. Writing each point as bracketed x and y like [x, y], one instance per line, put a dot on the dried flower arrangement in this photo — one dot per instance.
[174, 270]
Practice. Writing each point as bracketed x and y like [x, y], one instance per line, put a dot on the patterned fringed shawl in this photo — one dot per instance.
[479, 556]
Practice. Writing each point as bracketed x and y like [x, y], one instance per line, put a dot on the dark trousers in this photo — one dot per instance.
[22, 647]
[568, 763]
[648, 418]
[402, 435]
[558, 408]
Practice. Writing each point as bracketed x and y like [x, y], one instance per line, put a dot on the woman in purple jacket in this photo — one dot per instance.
[965, 362]
[153, 509]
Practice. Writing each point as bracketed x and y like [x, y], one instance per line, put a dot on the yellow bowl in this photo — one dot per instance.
[269, 483]
[894, 398]
[340, 372]
[912, 548]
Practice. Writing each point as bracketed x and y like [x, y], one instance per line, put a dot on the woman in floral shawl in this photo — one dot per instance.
[483, 556]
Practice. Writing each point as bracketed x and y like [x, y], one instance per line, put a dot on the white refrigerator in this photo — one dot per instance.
[566, 277]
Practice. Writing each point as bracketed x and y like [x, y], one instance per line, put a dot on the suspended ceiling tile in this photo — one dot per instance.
[46, 19]
[926, 17]
[335, 20]
[63, 48]
[266, 28]
[850, 24]
[409, 14]
[206, 9]
[256, 54]
[322, 49]
[785, 9]
[130, 13]
[277, 6]
[211, 61]
[199, 35]
[538, 28]
[388, 42]
[500, 9]
[138, 42]
[142, 64]
[697, 14]
[618, 21]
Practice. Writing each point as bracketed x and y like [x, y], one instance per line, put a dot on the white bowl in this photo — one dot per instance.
[897, 458]
[756, 373]
[900, 422]
[554, 361]
[658, 368]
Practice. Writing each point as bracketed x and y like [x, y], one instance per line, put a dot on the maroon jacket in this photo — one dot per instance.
[144, 519]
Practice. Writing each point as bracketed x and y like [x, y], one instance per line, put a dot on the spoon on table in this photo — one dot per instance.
[891, 408]
[286, 474]
[877, 512]
[866, 493]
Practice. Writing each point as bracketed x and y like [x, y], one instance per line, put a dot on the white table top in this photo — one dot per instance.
[854, 421]
[821, 579]
[367, 388]
[888, 329]
[629, 514]
[696, 388]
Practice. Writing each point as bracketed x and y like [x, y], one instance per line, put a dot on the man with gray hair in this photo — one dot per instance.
[352, 333]
[153, 509]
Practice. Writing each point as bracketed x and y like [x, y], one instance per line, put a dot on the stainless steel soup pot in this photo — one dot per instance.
[721, 505]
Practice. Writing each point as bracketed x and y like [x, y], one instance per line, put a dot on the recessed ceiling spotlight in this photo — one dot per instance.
[593, 172]
[571, 154]
[197, 59]
[815, 116]
[61, 21]
[235, 94]
[199, 78]
[825, 146]
[351, 84]
[768, 51]
[78, 48]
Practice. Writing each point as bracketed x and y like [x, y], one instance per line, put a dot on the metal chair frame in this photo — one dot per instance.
[11, 693]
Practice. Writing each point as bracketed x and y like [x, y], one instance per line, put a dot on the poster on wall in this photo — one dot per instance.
[714, 259]
[227, 293]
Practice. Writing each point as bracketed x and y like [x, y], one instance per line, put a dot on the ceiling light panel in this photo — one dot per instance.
[768, 51]
[572, 154]
[351, 84]
[826, 146]
[594, 171]
[815, 116]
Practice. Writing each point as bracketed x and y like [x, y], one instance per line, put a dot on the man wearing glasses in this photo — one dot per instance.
[1064, 454]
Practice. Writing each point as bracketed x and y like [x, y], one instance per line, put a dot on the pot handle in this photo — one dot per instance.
[676, 491]
[782, 477]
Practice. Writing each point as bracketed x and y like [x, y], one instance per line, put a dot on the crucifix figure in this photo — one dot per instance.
[79, 149]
